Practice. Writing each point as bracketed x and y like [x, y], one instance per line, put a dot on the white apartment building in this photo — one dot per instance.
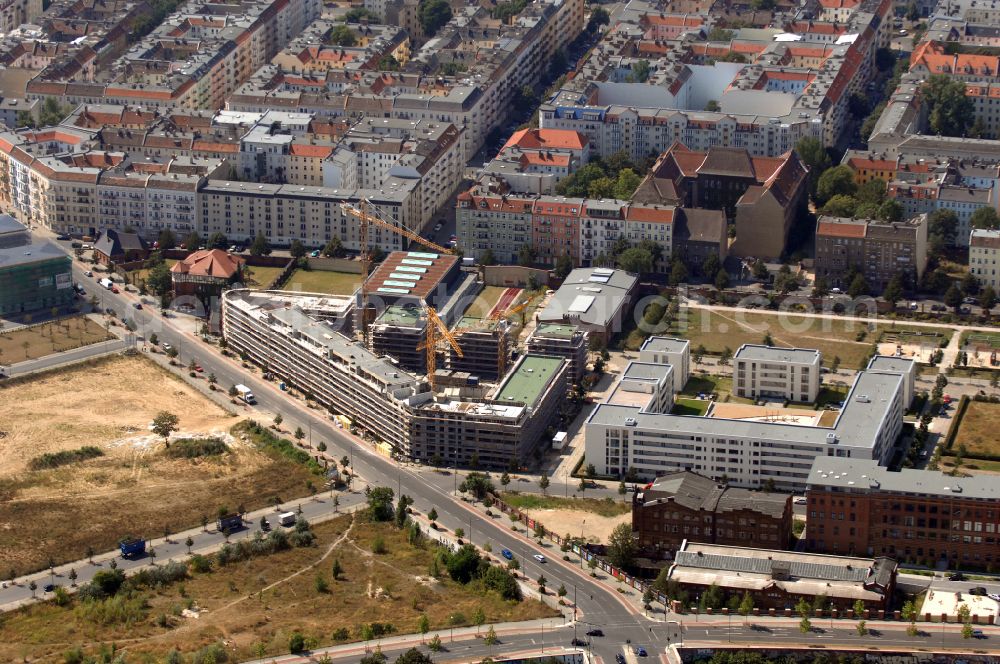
[767, 372]
[668, 350]
[984, 250]
[644, 437]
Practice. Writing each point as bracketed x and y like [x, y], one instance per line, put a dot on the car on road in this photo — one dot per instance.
[48, 587]
[137, 305]
[956, 576]
[978, 634]
[578, 642]
[199, 368]
[88, 273]
[438, 226]
[539, 557]
[938, 307]
[799, 500]
[265, 525]
[114, 289]
[595, 632]
[639, 651]
[165, 346]
[507, 554]
[978, 590]
[994, 596]
[619, 658]
[314, 253]
[62, 236]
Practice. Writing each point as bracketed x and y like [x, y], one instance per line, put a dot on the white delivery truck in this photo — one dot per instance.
[246, 394]
[107, 283]
[287, 519]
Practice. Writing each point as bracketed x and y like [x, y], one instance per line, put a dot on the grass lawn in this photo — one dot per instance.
[320, 281]
[707, 384]
[256, 605]
[977, 430]
[134, 486]
[690, 407]
[831, 336]
[486, 300]
[136, 277]
[984, 339]
[48, 338]
[831, 394]
[256, 276]
[530, 501]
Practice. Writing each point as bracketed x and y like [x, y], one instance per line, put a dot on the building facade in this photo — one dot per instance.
[984, 249]
[879, 250]
[768, 372]
[923, 517]
[34, 274]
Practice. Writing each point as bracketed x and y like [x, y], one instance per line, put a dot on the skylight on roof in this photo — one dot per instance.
[404, 284]
[394, 291]
[413, 261]
[421, 254]
[599, 279]
[581, 303]
[407, 268]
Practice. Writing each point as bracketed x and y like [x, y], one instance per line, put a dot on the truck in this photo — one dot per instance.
[229, 522]
[132, 547]
[107, 283]
[287, 519]
[246, 394]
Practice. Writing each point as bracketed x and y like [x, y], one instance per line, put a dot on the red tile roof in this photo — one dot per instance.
[209, 263]
[841, 229]
[548, 139]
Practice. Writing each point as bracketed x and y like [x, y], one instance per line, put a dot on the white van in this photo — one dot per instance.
[107, 283]
[287, 519]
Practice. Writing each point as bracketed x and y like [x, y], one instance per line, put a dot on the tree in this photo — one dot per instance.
[278, 419]
[336, 570]
[564, 265]
[334, 248]
[505, 479]
[893, 292]
[636, 260]
[746, 605]
[862, 628]
[341, 35]
[840, 206]
[433, 14]
[158, 280]
[967, 630]
[942, 228]
[32, 586]
[543, 483]
[678, 272]
[424, 624]
[72, 576]
[970, 285]
[526, 255]
[379, 503]
[491, 637]
[435, 644]
[166, 239]
[297, 250]
[164, 424]
[987, 299]
[722, 279]
[953, 297]
[598, 17]
[890, 210]
[859, 286]
[984, 217]
[414, 656]
[260, 247]
[299, 433]
[621, 546]
[836, 181]
[814, 155]
[950, 111]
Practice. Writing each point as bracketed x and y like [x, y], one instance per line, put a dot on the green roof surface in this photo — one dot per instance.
[556, 330]
[403, 316]
[526, 384]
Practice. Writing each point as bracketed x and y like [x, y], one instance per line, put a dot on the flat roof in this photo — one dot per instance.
[646, 370]
[665, 345]
[861, 475]
[556, 330]
[401, 316]
[591, 295]
[892, 363]
[760, 353]
[34, 252]
[529, 378]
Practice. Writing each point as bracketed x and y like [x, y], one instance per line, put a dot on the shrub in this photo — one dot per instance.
[215, 652]
[65, 457]
[126, 609]
[191, 448]
[155, 577]
[200, 564]
[266, 439]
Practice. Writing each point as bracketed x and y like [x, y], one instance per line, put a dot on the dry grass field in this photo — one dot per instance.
[977, 431]
[568, 515]
[257, 276]
[48, 338]
[255, 605]
[321, 281]
[134, 488]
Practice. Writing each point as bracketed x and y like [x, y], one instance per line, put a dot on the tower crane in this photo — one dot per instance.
[367, 218]
[436, 327]
[502, 351]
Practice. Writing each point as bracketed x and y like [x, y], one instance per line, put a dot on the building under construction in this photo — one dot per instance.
[562, 340]
[486, 346]
[399, 333]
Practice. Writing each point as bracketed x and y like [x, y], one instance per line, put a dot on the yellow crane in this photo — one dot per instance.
[502, 351]
[436, 327]
[367, 218]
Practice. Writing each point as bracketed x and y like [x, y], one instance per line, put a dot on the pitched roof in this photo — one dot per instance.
[548, 139]
[209, 263]
[697, 492]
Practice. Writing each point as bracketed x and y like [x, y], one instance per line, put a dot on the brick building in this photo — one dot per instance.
[686, 505]
[779, 579]
[206, 273]
[918, 516]
[881, 250]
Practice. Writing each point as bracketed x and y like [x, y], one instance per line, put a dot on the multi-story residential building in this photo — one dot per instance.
[984, 250]
[747, 450]
[767, 372]
[298, 337]
[880, 250]
[684, 506]
[565, 341]
[15, 12]
[780, 579]
[196, 58]
[491, 218]
[924, 517]
[533, 161]
[668, 350]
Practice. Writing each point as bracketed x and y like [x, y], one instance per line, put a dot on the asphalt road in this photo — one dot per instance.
[598, 604]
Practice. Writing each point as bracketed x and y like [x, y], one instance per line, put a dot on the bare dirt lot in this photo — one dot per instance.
[134, 488]
[53, 337]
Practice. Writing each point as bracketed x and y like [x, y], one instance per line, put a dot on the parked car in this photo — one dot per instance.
[438, 226]
[165, 346]
[595, 632]
[114, 289]
[956, 576]
[314, 253]
[88, 273]
[578, 642]
[799, 500]
[938, 307]
[62, 236]
[138, 305]
[978, 634]
[539, 557]
[978, 590]
[48, 587]
[619, 658]
[994, 596]
[640, 651]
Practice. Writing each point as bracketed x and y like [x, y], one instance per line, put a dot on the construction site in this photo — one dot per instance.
[419, 372]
